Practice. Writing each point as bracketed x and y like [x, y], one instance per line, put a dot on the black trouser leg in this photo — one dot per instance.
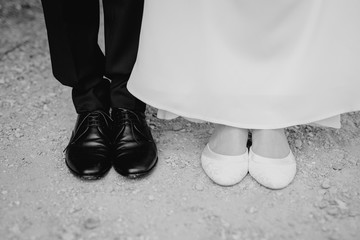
[122, 30]
[77, 60]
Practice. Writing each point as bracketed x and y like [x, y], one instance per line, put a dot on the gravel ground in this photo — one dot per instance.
[41, 199]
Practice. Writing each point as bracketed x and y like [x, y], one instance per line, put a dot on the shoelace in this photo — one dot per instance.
[93, 120]
[121, 117]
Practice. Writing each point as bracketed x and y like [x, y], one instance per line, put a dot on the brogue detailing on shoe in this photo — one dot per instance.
[93, 119]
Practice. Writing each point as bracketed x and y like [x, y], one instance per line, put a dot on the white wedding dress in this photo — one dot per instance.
[255, 64]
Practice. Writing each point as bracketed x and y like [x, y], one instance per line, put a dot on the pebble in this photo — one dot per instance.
[18, 134]
[251, 210]
[333, 211]
[199, 186]
[341, 204]
[177, 127]
[151, 198]
[322, 204]
[91, 223]
[298, 143]
[326, 184]
[4, 192]
[75, 209]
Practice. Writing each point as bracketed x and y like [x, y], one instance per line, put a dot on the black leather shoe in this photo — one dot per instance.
[88, 154]
[135, 152]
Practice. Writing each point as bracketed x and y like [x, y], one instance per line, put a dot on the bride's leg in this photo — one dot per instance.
[225, 158]
[228, 140]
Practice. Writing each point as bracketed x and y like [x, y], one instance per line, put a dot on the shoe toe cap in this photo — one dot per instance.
[273, 177]
[224, 173]
[88, 163]
[135, 161]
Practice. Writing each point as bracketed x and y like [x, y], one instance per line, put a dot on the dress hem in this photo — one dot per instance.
[187, 115]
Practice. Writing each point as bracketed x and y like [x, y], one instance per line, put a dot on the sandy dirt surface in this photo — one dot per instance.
[41, 199]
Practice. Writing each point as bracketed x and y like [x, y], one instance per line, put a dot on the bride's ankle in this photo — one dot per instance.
[271, 143]
[228, 140]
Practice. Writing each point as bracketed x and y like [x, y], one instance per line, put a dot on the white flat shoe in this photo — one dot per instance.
[224, 170]
[272, 172]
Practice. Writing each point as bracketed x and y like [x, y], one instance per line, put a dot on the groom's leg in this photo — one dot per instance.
[122, 30]
[135, 151]
[77, 60]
